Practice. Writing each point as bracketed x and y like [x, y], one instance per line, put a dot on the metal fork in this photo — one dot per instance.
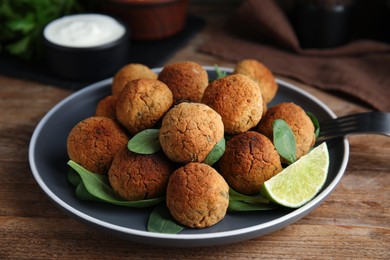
[360, 123]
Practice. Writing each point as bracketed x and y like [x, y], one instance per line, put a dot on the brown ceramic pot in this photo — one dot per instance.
[149, 19]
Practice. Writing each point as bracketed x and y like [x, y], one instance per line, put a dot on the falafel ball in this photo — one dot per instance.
[94, 141]
[238, 100]
[107, 107]
[197, 195]
[261, 75]
[299, 122]
[128, 73]
[139, 176]
[142, 103]
[186, 79]
[189, 131]
[249, 160]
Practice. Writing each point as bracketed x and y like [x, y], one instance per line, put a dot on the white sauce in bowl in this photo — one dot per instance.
[84, 30]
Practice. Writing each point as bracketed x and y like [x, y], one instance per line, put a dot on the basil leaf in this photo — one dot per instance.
[161, 221]
[99, 187]
[145, 142]
[315, 123]
[216, 153]
[284, 140]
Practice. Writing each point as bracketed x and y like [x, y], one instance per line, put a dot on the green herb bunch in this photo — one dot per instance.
[22, 22]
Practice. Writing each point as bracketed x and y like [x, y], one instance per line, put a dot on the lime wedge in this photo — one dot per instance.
[301, 181]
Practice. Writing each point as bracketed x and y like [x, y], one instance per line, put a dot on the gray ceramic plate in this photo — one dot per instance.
[48, 158]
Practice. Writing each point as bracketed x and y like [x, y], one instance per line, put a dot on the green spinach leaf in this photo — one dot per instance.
[161, 221]
[99, 187]
[241, 202]
[83, 194]
[284, 140]
[73, 177]
[315, 123]
[145, 142]
[219, 73]
[216, 153]
[235, 205]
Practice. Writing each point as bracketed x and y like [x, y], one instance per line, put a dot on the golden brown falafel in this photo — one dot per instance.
[249, 160]
[189, 131]
[261, 75]
[299, 122]
[197, 195]
[106, 107]
[139, 176]
[237, 98]
[93, 143]
[128, 73]
[142, 103]
[187, 80]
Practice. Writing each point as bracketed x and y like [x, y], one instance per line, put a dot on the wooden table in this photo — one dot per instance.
[354, 222]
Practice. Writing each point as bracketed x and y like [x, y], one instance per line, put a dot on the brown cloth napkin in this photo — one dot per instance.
[260, 30]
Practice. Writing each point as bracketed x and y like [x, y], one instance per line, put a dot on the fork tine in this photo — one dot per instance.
[349, 120]
[369, 122]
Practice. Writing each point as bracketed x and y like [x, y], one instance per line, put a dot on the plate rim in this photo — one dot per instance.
[293, 216]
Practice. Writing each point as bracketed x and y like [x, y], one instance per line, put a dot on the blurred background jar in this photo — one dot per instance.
[149, 19]
[322, 23]
[371, 20]
[331, 23]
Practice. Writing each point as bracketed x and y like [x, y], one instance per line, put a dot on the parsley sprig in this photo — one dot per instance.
[22, 23]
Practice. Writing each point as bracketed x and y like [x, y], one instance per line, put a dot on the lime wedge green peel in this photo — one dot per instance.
[298, 183]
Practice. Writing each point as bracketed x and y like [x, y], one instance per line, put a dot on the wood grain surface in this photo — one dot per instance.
[352, 223]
